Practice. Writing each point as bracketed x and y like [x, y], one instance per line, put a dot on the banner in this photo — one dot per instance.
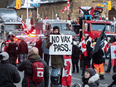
[113, 53]
[61, 45]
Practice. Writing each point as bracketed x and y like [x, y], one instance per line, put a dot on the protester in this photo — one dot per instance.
[45, 51]
[109, 53]
[22, 50]
[86, 60]
[12, 51]
[75, 56]
[26, 66]
[98, 63]
[10, 36]
[90, 78]
[57, 62]
[8, 73]
[113, 84]
[38, 45]
[86, 13]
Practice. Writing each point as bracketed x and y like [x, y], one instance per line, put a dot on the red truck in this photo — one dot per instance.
[94, 27]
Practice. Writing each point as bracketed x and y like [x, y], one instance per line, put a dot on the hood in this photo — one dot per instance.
[67, 32]
[33, 56]
[93, 78]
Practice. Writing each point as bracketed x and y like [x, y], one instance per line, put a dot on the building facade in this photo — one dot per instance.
[50, 9]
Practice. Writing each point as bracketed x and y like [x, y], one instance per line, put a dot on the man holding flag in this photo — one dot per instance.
[97, 54]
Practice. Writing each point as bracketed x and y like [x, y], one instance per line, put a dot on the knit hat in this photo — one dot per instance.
[5, 56]
[55, 27]
[91, 71]
[34, 50]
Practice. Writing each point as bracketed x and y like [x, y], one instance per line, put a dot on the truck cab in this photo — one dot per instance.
[94, 27]
[46, 27]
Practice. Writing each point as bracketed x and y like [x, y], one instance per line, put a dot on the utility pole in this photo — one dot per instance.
[27, 9]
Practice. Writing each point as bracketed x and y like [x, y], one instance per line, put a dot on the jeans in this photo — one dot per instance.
[90, 17]
[21, 57]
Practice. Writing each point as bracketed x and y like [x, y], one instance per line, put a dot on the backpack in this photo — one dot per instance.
[38, 72]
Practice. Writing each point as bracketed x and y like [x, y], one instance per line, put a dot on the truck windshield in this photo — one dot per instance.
[100, 27]
[13, 27]
[10, 17]
[62, 26]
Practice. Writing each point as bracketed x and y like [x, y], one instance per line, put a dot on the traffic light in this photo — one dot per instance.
[18, 4]
[109, 5]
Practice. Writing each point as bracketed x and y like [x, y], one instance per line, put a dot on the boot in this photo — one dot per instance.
[102, 77]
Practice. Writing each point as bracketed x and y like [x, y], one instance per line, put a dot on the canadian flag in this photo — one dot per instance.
[82, 44]
[24, 26]
[40, 72]
[83, 48]
[67, 7]
[66, 74]
[113, 53]
[106, 46]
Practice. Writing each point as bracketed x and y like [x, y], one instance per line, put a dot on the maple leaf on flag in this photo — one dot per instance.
[67, 67]
[115, 52]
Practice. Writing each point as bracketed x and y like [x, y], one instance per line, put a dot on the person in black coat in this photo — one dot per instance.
[23, 50]
[12, 51]
[98, 62]
[75, 56]
[86, 60]
[8, 72]
[86, 13]
[26, 66]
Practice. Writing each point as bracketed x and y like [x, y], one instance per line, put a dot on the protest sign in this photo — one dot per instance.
[61, 45]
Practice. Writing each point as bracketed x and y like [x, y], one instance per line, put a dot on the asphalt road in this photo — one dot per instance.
[76, 78]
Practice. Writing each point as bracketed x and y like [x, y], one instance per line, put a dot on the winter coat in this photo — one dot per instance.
[26, 66]
[23, 48]
[91, 82]
[44, 49]
[38, 45]
[87, 58]
[57, 61]
[97, 57]
[12, 49]
[8, 74]
[75, 53]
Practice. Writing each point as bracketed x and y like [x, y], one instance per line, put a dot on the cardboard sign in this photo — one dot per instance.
[61, 45]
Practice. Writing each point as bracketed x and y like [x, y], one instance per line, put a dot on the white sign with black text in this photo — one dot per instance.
[61, 45]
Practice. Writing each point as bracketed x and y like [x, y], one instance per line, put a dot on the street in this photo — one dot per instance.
[76, 78]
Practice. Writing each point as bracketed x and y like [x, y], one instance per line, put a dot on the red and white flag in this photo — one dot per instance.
[85, 7]
[24, 26]
[106, 46]
[67, 7]
[40, 72]
[113, 53]
[83, 48]
[66, 74]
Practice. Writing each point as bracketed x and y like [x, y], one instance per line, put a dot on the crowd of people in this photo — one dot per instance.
[91, 72]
